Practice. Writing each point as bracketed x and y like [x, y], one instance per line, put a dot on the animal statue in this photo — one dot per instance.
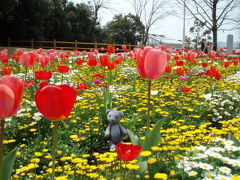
[115, 131]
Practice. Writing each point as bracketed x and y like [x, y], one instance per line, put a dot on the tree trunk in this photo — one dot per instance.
[214, 33]
[214, 24]
[145, 39]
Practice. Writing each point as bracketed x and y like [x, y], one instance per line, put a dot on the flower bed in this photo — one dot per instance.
[194, 112]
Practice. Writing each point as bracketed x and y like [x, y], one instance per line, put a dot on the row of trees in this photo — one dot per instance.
[63, 20]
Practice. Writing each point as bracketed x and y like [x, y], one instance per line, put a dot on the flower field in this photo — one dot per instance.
[185, 116]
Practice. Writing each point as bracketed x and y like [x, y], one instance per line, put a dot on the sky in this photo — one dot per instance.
[171, 26]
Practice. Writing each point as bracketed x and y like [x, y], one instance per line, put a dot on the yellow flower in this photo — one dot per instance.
[61, 178]
[161, 176]
[85, 155]
[152, 160]
[37, 154]
[235, 178]
[145, 153]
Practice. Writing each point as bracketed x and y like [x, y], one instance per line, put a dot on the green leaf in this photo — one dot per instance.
[8, 163]
[143, 167]
[234, 139]
[153, 137]
[134, 138]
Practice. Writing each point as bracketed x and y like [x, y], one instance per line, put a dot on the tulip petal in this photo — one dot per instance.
[155, 64]
[17, 87]
[6, 101]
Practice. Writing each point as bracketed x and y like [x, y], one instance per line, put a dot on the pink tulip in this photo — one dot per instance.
[151, 63]
[3, 54]
[28, 59]
[43, 59]
[11, 91]
[19, 52]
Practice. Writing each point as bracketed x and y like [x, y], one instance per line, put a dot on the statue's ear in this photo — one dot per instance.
[107, 111]
[121, 114]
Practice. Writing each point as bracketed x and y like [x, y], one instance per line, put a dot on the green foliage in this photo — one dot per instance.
[48, 19]
[8, 163]
[125, 29]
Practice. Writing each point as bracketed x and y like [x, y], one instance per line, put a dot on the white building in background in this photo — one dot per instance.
[156, 40]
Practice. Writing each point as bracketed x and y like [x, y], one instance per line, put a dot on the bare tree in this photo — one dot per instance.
[98, 5]
[213, 13]
[150, 12]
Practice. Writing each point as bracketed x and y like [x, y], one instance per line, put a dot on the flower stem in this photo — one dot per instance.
[1, 146]
[55, 129]
[149, 105]
[26, 71]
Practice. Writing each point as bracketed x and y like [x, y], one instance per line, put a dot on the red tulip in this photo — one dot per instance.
[180, 71]
[28, 83]
[55, 102]
[235, 62]
[110, 49]
[151, 63]
[204, 64]
[221, 49]
[82, 86]
[179, 63]
[212, 54]
[168, 69]
[128, 152]
[11, 91]
[3, 54]
[103, 60]
[186, 90]
[63, 69]
[28, 59]
[43, 75]
[111, 65]
[79, 61]
[92, 62]
[227, 64]
[19, 52]
[6, 70]
[98, 76]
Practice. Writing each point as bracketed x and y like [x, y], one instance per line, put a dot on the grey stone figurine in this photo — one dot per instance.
[115, 131]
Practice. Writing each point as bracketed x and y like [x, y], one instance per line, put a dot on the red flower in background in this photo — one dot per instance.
[235, 62]
[19, 52]
[3, 54]
[128, 152]
[11, 91]
[92, 62]
[6, 70]
[63, 69]
[168, 69]
[82, 86]
[179, 63]
[98, 76]
[55, 102]
[227, 64]
[103, 60]
[186, 90]
[28, 83]
[79, 61]
[180, 71]
[111, 65]
[117, 61]
[110, 49]
[204, 64]
[43, 75]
